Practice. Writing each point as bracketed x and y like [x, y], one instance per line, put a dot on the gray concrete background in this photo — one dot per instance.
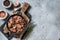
[46, 15]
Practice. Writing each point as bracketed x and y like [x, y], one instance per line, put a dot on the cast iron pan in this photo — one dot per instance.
[12, 34]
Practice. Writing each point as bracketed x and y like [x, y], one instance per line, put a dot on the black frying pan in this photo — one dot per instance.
[25, 23]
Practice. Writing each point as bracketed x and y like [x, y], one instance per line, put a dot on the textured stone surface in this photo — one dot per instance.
[46, 15]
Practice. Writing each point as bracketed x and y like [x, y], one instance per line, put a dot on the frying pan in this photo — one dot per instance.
[13, 16]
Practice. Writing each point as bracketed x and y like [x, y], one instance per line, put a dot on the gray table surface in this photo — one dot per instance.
[45, 15]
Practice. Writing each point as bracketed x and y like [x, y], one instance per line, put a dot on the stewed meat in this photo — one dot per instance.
[16, 24]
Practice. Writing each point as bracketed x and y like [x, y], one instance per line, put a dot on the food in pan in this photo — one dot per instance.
[16, 24]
